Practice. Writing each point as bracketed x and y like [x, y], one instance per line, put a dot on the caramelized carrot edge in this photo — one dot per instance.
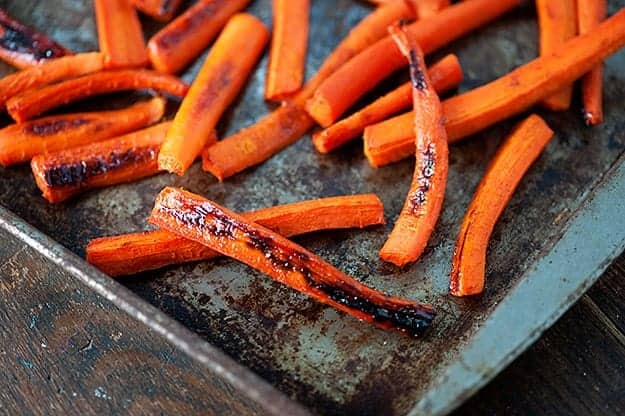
[161, 10]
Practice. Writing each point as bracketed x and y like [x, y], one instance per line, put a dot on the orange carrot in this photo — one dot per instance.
[557, 22]
[63, 174]
[508, 167]
[468, 113]
[161, 10]
[287, 60]
[232, 235]
[21, 142]
[344, 87]
[181, 41]
[133, 253]
[589, 14]
[23, 47]
[222, 76]
[445, 74]
[428, 8]
[32, 103]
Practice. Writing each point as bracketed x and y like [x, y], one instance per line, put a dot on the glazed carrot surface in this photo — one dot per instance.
[220, 79]
[33, 103]
[21, 142]
[61, 175]
[161, 10]
[233, 235]
[175, 46]
[133, 253]
[506, 170]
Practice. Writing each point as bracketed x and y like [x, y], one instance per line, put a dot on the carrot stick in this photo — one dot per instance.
[589, 14]
[48, 72]
[23, 47]
[181, 41]
[21, 142]
[119, 34]
[428, 8]
[506, 170]
[285, 74]
[468, 113]
[445, 74]
[232, 235]
[344, 87]
[32, 103]
[63, 174]
[557, 22]
[222, 76]
[161, 10]
[133, 253]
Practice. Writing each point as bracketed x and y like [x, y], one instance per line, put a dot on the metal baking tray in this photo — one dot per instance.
[291, 355]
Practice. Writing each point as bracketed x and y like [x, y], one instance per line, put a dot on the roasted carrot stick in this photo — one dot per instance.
[468, 113]
[508, 167]
[32, 103]
[161, 10]
[23, 47]
[445, 75]
[133, 253]
[557, 22]
[181, 41]
[589, 14]
[119, 34]
[49, 72]
[20, 142]
[63, 174]
[285, 74]
[344, 87]
[222, 76]
[428, 8]
[230, 234]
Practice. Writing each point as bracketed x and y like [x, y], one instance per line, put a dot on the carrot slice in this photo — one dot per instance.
[23, 47]
[343, 88]
[468, 113]
[232, 235]
[32, 103]
[557, 22]
[181, 41]
[428, 8]
[61, 175]
[508, 167]
[161, 10]
[221, 78]
[445, 75]
[133, 253]
[21, 142]
[589, 14]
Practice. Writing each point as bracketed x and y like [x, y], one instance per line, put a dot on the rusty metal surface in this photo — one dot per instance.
[332, 363]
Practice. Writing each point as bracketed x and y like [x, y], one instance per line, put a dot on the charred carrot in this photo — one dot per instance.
[61, 175]
[181, 41]
[23, 47]
[133, 253]
[222, 76]
[557, 23]
[230, 234]
[161, 10]
[589, 14]
[344, 87]
[119, 34]
[468, 113]
[21, 142]
[32, 103]
[428, 8]
[287, 59]
[506, 170]
[445, 75]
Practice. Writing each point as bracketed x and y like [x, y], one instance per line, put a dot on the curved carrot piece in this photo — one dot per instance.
[181, 41]
[21, 142]
[445, 75]
[205, 222]
[63, 174]
[508, 167]
[428, 8]
[161, 10]
[222, 76]
[589, 14]
[23, 47]
[32, 103]
[133, 253]
[363, 72]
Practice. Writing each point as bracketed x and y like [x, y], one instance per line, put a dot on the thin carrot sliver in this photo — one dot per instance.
[161, 10]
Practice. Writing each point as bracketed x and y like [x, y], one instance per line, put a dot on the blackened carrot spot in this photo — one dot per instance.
[428, 167]
[49, 127]
[176, 36]
[417, 74]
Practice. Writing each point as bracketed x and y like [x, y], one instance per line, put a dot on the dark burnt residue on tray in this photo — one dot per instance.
[49, 127]
[175, 36]
[20, 39]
